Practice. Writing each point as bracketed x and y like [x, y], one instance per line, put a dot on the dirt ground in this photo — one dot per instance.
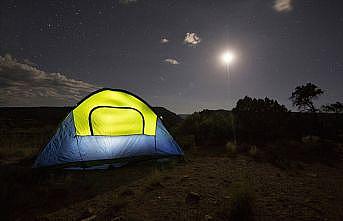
[309, 192]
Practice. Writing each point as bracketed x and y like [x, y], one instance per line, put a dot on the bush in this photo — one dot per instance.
[310, 139]
[231, 148]
[154, 180]
[253, 151]
[209, 127]
[260, 119]
[186, 141]
[8, 153]
[242, 203]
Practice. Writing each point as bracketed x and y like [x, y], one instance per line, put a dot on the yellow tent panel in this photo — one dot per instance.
[114, 113]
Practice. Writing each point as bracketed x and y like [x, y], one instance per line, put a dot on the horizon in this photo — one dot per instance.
[177, 113]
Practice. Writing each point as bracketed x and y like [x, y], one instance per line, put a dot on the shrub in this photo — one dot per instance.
[154, 180]
[231, 148]
[253, 151]
[260, 119]
[242, 203]
[239, 206]
[7, 153]
[186, 141]
[113, 210]
[310, 139]
[208, 127]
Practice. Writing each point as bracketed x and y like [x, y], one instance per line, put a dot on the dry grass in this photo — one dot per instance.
[241, 203]
[185, 141]
[253, 151]
[17, 153]
[310, 140]
[154, 180]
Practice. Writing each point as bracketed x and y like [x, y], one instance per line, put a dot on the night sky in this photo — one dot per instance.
[168, 52]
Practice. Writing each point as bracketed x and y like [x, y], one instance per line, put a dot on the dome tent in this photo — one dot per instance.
[108, 126]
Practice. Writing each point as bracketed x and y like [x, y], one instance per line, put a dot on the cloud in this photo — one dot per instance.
[126, 2]
[22, 84]
[171, 61]
[192, 39]
[27, 61]
[283, 5]
[164, 40]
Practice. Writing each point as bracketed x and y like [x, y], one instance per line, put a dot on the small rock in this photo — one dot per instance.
[167, 177]
[156, 184]
[90, 210]
[226, 181]
[208, 217]
[331, 197]
[127, 192]
[88, 213]
[307, 200]
[227, 197]
[300, 166]
[192, 198]
[314, 175]
[184, 178]
[89, 218]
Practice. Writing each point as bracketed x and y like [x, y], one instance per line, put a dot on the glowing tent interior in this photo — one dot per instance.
[108, 127]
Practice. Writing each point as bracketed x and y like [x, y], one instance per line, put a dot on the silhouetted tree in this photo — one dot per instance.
[303, 96]
[260, 119]
[335, 108]
[208, 127]
[248, 104]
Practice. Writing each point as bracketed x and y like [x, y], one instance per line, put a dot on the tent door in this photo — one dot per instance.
[115, 121]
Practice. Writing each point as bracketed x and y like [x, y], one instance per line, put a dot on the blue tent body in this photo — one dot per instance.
[68, 148]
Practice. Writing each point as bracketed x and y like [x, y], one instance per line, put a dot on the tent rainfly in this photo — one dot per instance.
[108, 127]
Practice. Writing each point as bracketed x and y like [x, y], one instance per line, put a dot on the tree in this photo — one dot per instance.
[303, 96]
[248, 104]
[260, 119]
[334, 108]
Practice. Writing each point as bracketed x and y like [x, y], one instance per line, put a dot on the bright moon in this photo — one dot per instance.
[228, 57]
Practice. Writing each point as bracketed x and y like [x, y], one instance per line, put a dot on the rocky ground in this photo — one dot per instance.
[205, 188]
